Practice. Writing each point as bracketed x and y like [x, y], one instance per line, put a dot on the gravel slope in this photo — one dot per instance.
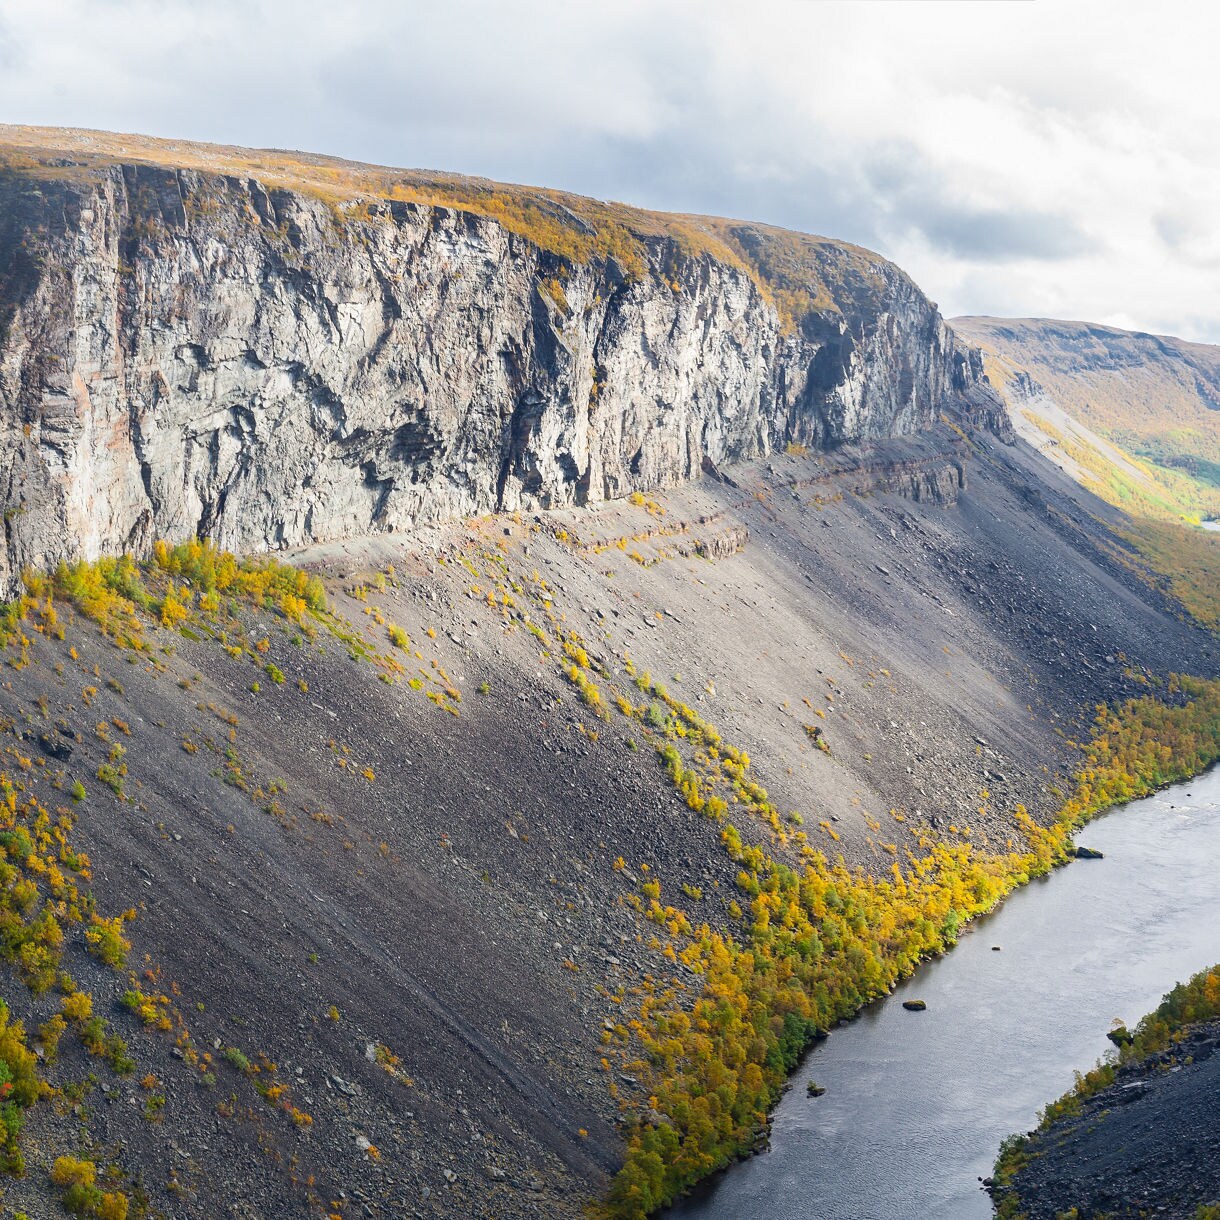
[1147, 1145]
[463, 905]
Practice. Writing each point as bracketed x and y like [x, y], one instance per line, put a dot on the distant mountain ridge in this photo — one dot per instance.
[1154, 396]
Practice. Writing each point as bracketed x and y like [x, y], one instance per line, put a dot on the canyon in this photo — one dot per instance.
[553, 520]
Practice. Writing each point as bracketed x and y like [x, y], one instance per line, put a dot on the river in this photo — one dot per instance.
[916, 1103]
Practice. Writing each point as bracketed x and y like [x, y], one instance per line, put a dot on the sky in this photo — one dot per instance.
[1052, 158]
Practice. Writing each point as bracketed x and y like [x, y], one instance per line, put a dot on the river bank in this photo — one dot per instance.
[918, 1102]
[1147, 1142]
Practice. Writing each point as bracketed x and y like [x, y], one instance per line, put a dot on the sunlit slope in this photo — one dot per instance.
[1134, 417]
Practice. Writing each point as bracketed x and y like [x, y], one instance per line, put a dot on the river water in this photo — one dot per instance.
[916, 1103]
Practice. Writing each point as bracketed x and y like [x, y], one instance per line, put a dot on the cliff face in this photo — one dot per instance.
[184, 352]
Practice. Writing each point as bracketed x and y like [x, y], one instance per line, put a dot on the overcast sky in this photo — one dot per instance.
[1050, 157]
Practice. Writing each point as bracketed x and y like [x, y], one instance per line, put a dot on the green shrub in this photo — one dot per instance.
[237, 1059]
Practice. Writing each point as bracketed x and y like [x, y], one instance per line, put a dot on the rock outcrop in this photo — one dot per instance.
[185, 352]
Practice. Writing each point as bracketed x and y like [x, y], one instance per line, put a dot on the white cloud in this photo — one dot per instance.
[1055, 157]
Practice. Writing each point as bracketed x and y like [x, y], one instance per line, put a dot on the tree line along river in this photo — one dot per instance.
[916, 1103]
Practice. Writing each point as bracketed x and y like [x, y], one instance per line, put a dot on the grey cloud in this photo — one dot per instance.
[1173, 228]
[996, 236]
[1192, 238]
[10, 48]
[913, 194]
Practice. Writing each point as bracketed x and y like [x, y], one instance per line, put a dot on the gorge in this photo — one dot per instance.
[512, 670]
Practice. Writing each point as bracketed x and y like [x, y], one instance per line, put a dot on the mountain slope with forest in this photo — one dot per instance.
[1135, 419]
